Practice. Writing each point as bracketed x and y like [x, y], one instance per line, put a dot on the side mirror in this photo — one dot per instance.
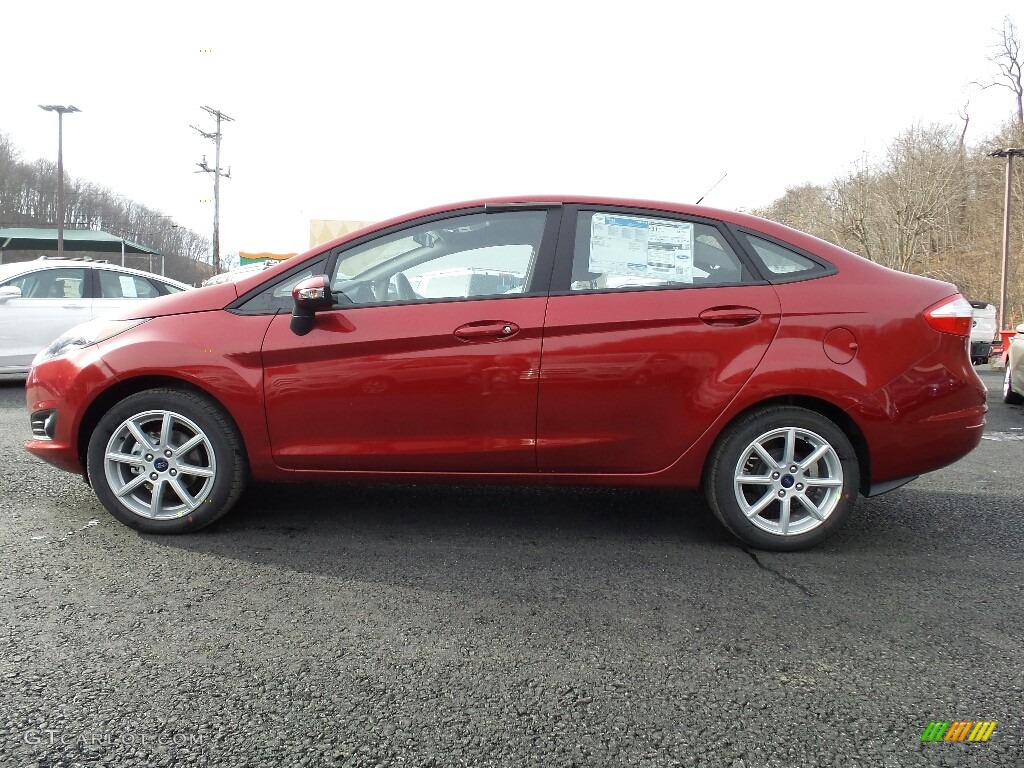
[9, 292]
[1020, 328]
[309, 296]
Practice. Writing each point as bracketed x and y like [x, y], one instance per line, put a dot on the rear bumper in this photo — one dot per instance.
[925, 419]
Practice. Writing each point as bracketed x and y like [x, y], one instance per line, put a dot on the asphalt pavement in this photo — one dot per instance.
[424, 626]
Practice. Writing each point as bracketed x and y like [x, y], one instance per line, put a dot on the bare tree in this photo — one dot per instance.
[965, 115]
[899, 210]
[1009, 58]
[806, 207]
[855, 203]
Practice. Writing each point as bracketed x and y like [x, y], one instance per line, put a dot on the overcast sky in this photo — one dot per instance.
[367, 110]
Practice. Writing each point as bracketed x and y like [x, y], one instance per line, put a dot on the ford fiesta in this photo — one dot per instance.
[577, 341]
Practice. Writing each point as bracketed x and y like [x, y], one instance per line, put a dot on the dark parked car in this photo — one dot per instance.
[628, 343]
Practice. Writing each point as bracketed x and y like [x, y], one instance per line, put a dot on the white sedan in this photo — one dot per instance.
[1013, 382]
[41, 299]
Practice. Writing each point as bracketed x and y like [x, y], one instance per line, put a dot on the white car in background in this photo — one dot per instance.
[236, 274]
[983, 331]
[464, 282]
[1013, 380]
[41, 299]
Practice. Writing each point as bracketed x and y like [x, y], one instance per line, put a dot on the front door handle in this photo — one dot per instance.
[730, 316]
[486, 330]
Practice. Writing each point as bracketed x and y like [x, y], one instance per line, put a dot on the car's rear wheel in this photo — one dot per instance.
[1009, 396]
[166, 461]
[782, 478]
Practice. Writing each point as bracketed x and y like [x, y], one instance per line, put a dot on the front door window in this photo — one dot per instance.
[468, 257]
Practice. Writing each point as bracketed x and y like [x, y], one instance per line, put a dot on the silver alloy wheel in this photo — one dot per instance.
[1007, 383]
[788, 481]
[160, 465]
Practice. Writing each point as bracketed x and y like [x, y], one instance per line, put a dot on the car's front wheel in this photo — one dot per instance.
[1009, 396]
[166, 461]
[782, 478]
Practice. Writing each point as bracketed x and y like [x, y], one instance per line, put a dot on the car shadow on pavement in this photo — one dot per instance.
[476, 511]
[356, 530]
[441, 534]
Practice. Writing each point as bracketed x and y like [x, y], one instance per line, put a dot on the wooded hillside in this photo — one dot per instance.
[28, 197]
[933, 203]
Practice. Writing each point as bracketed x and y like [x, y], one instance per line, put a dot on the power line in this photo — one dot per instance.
[215, 137]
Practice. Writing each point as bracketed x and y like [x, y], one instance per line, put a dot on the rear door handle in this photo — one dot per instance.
[486, 330]
[730, 316]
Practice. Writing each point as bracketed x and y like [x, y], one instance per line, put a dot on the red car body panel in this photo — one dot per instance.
[629, 387]
[388, 389]
[611, 390]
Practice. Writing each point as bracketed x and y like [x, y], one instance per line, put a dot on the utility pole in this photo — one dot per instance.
[217, 173]
[61, 111]
[1009, 154]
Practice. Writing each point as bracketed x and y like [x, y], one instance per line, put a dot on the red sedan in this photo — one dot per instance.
[548, 340]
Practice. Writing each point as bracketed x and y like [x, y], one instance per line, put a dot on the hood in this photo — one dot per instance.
[207, 299]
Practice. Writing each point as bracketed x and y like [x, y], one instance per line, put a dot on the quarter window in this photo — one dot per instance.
[621, 251]
[782, 261]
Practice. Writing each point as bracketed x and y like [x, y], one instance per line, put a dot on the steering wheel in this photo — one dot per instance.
[404, 288]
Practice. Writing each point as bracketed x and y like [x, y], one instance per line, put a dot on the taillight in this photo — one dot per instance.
[953, 315]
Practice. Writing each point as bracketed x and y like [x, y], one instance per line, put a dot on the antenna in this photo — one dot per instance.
[711, 188]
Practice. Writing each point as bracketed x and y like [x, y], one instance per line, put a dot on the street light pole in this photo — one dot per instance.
[1009, 153]
[61, 111]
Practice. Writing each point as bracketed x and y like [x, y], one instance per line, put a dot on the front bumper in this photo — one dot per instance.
[58, 393]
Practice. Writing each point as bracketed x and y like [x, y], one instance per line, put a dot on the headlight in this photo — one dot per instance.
[85, 335]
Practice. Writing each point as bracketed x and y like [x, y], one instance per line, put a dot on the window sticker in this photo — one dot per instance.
[637, 246]
[128, 286]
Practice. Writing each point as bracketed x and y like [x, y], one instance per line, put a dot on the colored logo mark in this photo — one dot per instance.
[959, 730]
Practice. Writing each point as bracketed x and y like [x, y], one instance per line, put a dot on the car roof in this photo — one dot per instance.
[736, 218]
[24, 267]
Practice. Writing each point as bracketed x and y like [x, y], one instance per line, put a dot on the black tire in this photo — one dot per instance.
[191, 478]
[829, 484]
[1009, 396]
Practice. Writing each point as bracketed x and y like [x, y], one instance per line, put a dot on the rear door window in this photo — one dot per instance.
[122, 285]
[616, 251]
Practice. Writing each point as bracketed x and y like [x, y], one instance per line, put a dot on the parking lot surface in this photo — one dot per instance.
[422, 626]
